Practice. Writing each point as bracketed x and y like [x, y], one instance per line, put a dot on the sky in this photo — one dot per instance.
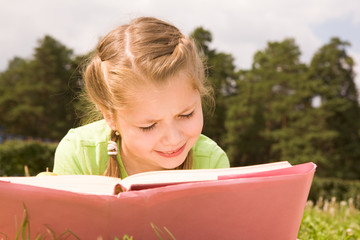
[239, 27]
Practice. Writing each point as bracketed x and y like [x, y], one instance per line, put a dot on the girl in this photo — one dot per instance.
[148, 81]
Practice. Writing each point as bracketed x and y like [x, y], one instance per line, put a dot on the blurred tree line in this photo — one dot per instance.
[37, 95]
[280, 109]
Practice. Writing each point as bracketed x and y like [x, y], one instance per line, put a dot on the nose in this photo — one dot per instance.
[172, 135]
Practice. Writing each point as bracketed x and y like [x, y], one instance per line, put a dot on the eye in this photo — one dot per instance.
[187, 115]
[148, 128]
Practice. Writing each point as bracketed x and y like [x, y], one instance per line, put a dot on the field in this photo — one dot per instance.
[328, 220]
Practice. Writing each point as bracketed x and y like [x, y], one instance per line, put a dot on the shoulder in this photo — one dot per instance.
[97, 131]
[208, 154]
[83, 150]
[204, 144]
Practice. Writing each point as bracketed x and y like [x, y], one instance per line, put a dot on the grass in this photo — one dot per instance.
[328, 220]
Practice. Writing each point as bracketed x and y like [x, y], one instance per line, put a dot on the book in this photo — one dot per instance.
[255, 202]
[102, 185]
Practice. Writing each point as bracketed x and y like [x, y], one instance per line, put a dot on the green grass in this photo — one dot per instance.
[328, 220]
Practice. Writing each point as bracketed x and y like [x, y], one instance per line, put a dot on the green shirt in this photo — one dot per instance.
[84, 151]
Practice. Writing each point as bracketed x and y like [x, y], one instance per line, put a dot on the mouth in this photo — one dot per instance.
[173, 153]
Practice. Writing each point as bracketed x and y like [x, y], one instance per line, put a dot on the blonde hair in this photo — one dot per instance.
[145, 50]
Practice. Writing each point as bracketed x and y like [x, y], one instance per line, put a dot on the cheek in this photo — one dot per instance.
[138, 141]
[194, 126]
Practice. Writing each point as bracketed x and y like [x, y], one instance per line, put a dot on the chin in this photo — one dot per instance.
[171, 164]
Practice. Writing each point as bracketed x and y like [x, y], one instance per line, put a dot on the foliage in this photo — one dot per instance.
[16, 154]
[36, 95]
[323, 188]
[330, 220]
[331, 71]
[272, 116]
[263, 114]
[268, 106]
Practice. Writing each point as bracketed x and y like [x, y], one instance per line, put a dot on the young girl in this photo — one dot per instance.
[148, 81]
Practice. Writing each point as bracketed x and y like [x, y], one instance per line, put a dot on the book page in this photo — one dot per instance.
[103, 185]
[182, 176]
[87, 184]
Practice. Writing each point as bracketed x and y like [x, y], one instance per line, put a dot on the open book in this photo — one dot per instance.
[102, 185]
[254, 202]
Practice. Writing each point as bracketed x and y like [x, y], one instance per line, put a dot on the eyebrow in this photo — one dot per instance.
[188, 108]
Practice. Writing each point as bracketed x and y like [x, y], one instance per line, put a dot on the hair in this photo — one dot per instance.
[147, 50]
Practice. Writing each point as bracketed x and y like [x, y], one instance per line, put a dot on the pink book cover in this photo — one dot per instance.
[265, 205]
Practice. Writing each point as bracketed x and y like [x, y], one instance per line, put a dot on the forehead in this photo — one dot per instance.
[150, 89]
[173, 95]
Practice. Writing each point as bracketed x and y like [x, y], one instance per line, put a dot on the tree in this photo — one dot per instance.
[202, 40]
[37, 99]
[331, 71]
[267, 105]
[245, 124]
[16, 115]
[273, 116]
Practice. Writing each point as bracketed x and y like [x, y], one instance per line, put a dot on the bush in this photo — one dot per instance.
[16, 154]
[326, 188]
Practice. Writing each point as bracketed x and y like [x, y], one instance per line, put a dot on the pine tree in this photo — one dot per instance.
[267, 105]
[37, 101]
[331, 70]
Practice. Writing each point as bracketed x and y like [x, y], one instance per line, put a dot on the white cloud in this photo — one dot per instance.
[356, 57]
[239, 27]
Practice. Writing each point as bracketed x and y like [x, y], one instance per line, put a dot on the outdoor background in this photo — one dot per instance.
[285, 74]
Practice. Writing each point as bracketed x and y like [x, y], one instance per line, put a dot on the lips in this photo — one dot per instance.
[171, 154]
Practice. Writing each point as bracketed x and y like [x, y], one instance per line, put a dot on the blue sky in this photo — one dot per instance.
[343, 27]
[239, 27]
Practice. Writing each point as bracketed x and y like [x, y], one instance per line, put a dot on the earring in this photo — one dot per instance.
[117, 133]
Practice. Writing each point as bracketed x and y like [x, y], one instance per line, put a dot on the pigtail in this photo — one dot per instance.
[187, 164]
[113, 167]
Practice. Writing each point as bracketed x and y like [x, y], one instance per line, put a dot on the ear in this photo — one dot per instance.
[109, 119]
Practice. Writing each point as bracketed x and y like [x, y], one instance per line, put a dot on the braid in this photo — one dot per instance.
[187, 164]
[113, 168]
